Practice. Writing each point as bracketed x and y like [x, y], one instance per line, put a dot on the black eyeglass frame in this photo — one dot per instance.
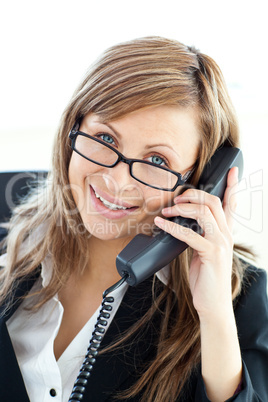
[121, 158]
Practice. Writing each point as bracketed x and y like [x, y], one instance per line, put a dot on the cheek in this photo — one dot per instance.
[73, 167]
[156, 200]
[75, 180]
[80, 169]
[76, 168]
[77, 173]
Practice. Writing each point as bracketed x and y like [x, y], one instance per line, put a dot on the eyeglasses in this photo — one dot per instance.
[102, 153]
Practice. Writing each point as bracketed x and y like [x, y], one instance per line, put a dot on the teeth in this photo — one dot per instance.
[108, 204]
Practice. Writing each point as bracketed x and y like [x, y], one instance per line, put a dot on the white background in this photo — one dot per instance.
[46, 47]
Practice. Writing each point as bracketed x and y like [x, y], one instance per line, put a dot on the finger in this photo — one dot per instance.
[229, 200]
[201, 213]
[213, 202]
[182, 233]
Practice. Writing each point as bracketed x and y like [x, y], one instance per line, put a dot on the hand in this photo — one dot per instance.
[210, 282]
[211, 266]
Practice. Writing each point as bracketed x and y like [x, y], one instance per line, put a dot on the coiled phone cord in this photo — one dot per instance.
[94, 343]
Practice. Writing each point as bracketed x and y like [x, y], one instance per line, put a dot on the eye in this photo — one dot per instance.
[158, 160]
[106, 138]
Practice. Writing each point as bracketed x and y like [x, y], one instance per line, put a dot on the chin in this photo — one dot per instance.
[107, 230]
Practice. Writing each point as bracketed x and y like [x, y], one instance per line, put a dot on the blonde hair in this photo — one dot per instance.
[130, 76]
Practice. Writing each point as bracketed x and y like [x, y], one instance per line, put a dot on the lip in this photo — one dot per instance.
[109, 213]
[112, 200]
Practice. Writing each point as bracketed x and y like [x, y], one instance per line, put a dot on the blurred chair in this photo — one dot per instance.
[13, 186]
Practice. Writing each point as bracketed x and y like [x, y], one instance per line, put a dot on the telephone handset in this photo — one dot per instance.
[145, 255]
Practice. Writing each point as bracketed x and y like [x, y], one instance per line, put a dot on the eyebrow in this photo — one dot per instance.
[148, 146]
[113, 129]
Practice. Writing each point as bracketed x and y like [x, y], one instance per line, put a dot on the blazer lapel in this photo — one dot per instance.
[116, 370]
[12, 387]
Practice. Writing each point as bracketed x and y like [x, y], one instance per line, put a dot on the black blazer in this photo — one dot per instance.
[118, 370]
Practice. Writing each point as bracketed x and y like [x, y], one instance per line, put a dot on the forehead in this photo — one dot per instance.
[172, 123]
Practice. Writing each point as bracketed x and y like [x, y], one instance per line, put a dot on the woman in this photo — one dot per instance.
[191, 332]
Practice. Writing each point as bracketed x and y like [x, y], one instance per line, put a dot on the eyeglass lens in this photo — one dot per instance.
[148, 174]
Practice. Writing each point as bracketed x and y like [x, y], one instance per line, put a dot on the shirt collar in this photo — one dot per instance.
[46, 271]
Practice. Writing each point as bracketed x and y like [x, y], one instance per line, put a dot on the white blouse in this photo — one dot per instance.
[33, 335]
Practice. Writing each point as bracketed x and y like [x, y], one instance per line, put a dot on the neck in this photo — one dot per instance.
[102, 261]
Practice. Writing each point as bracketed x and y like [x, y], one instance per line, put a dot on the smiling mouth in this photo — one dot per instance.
[110, 205]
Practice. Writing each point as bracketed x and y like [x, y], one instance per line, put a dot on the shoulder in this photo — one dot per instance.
[251, 312]
[254, 285]
[251, 306]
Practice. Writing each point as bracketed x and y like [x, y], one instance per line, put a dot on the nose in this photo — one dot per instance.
[118, 179]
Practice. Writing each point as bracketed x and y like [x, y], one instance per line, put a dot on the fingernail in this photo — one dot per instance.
[177, 199]
[158, 220]
[236, 171]
[164, 210]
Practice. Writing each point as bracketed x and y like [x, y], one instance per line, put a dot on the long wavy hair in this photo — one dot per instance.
[137, 74]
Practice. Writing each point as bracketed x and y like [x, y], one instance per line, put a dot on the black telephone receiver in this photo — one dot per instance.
[145, 255]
